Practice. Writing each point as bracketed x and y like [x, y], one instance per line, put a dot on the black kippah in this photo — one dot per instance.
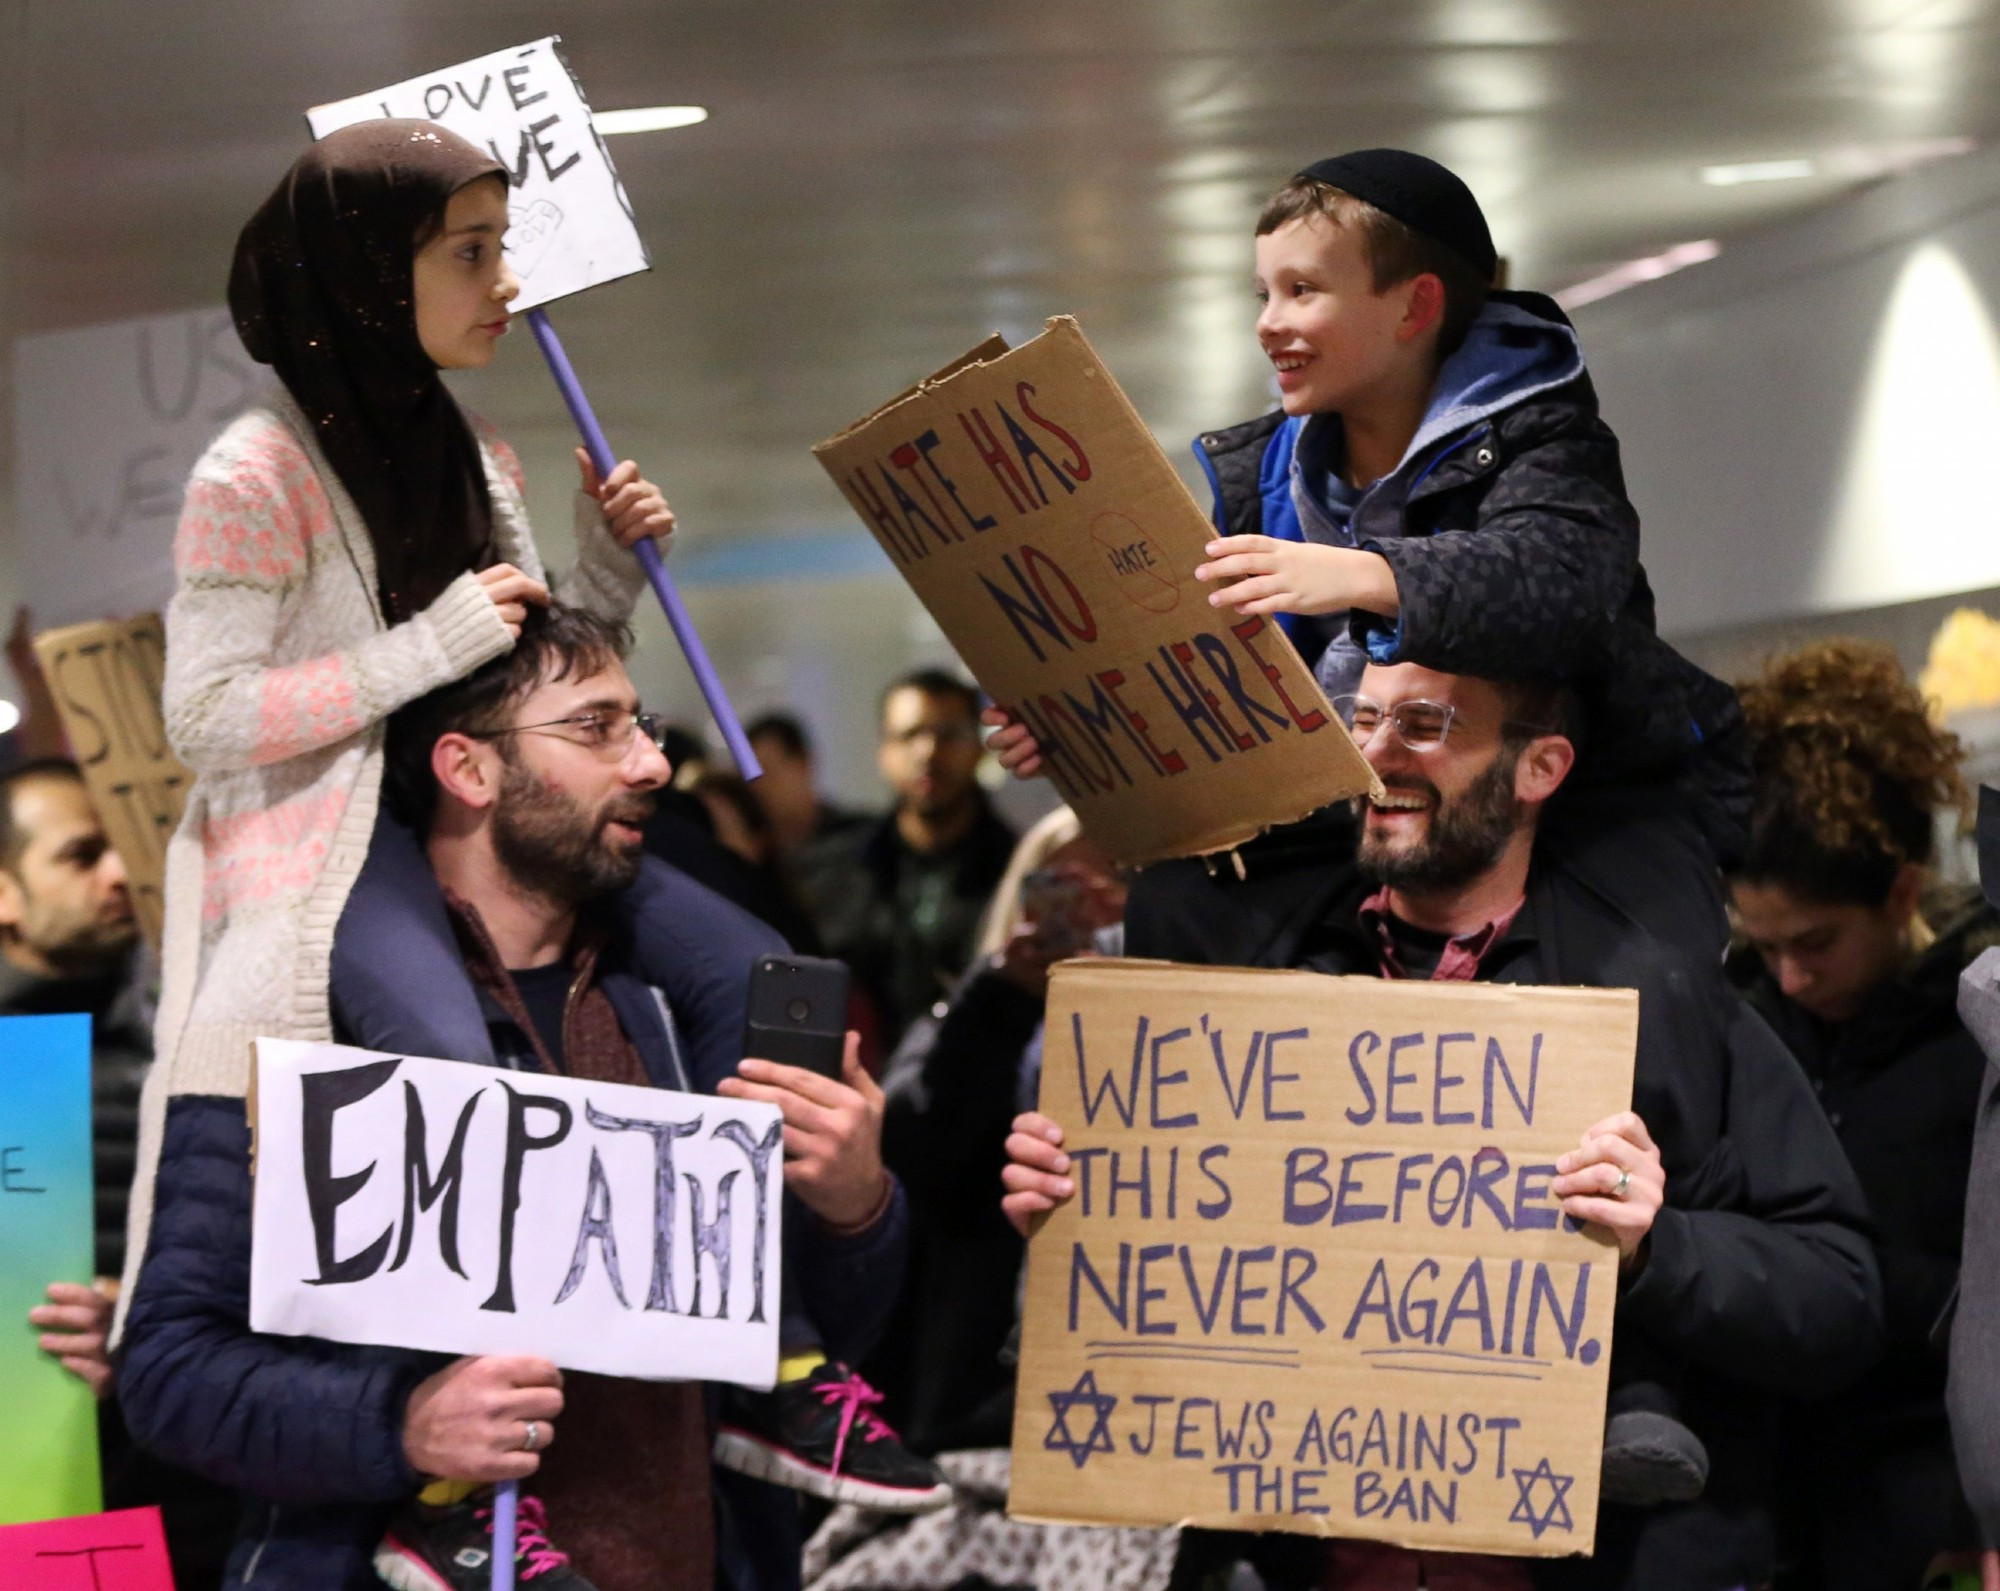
[1420, 193]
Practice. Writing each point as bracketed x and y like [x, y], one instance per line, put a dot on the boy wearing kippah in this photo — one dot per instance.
[1437, 487]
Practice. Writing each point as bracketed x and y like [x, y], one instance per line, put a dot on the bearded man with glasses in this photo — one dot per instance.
[1745, 1271]
[504, 933]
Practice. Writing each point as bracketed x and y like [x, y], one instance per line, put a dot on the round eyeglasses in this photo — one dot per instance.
[1420, 725]
[608, 731]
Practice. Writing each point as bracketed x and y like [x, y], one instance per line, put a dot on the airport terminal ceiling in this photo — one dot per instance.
[878, 185]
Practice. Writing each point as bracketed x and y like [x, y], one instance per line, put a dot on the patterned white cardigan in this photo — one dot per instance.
[280, 673]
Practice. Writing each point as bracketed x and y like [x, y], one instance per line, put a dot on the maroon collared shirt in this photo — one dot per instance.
[1462, 955]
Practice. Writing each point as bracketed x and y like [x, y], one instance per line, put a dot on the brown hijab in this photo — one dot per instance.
[322, 291]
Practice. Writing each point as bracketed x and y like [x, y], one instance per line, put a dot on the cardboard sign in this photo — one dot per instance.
[571, 225]
[108, 421]
[1313, 1278]
[106, 679]
[1031, 510]
[125, 1551]
[48, 1463]
[464, 1209]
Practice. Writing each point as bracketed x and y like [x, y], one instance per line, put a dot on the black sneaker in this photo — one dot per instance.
[819, 1436]
[451, 1549]
[1650, 1459]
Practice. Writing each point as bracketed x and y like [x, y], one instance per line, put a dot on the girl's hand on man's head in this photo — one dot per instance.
[633, 507]
[511, 593]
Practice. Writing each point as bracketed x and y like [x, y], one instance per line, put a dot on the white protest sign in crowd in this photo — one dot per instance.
[571, 225]
[465, 1209]
[108, 421]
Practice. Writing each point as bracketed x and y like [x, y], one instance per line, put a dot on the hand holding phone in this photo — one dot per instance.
[798, 1013]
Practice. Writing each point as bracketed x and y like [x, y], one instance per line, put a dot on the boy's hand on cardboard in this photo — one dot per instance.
[633, 507]
[1261, 574]
[1012, 742]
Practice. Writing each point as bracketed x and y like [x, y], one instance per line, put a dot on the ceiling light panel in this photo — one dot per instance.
[647, 119]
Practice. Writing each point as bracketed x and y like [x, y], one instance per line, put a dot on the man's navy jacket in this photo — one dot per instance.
[311, 1431]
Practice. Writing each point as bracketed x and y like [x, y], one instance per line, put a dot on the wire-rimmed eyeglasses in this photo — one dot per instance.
[608, 731]
[1419, 724]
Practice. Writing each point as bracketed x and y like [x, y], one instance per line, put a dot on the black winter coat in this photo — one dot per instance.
[1900, 1084]
[1874, 1485]
[1773, 1293]
[311, 1431]
[952, 1089]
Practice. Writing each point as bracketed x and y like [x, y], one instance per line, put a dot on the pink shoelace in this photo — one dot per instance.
[533, 1550]
[855, 1399]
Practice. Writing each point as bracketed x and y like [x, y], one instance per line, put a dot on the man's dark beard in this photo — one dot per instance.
[552, 847]
[1467, 835]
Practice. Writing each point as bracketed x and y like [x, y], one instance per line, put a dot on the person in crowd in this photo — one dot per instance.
[344, 548]
[899, 900]
[528, 784]
[951, 1088]
[1745, 1266]
[789, 789]
[1437, 487]
[1972, 1392]
[1853, 955]
[69, 942]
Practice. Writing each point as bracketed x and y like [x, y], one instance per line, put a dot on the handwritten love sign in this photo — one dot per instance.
[1033, 513]
[1313, 1278]
[571, 226]
[434, 1204]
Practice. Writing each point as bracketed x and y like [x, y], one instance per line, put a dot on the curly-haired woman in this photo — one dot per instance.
[1853, 956]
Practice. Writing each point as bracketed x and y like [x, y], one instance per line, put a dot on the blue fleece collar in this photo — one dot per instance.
[1510, 354]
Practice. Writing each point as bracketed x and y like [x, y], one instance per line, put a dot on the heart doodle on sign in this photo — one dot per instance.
[530, 231]
[1139, 568]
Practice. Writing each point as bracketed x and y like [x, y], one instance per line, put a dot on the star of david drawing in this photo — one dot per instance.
[1061, 1440]
[1556, 1515]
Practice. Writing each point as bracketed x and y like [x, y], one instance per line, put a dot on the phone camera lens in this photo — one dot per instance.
[798, 1010]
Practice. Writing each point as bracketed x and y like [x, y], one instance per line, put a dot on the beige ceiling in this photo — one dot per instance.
[883, 181]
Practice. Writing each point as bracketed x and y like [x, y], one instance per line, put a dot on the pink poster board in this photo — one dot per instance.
[99, 1552]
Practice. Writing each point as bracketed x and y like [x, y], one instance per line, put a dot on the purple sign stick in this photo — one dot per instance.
[506, 1497]
[647, 553]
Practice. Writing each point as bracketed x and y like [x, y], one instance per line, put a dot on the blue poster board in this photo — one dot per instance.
[48, 1463]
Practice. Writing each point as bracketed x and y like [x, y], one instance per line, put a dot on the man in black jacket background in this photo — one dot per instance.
[1755, 1277]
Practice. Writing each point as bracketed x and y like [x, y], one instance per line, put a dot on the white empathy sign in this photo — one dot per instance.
[466, 1209]
[571, 225]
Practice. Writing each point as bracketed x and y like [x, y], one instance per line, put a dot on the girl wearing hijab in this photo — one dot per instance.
[344, 549]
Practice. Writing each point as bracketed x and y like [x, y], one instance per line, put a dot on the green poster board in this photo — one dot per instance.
[48, 1464]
